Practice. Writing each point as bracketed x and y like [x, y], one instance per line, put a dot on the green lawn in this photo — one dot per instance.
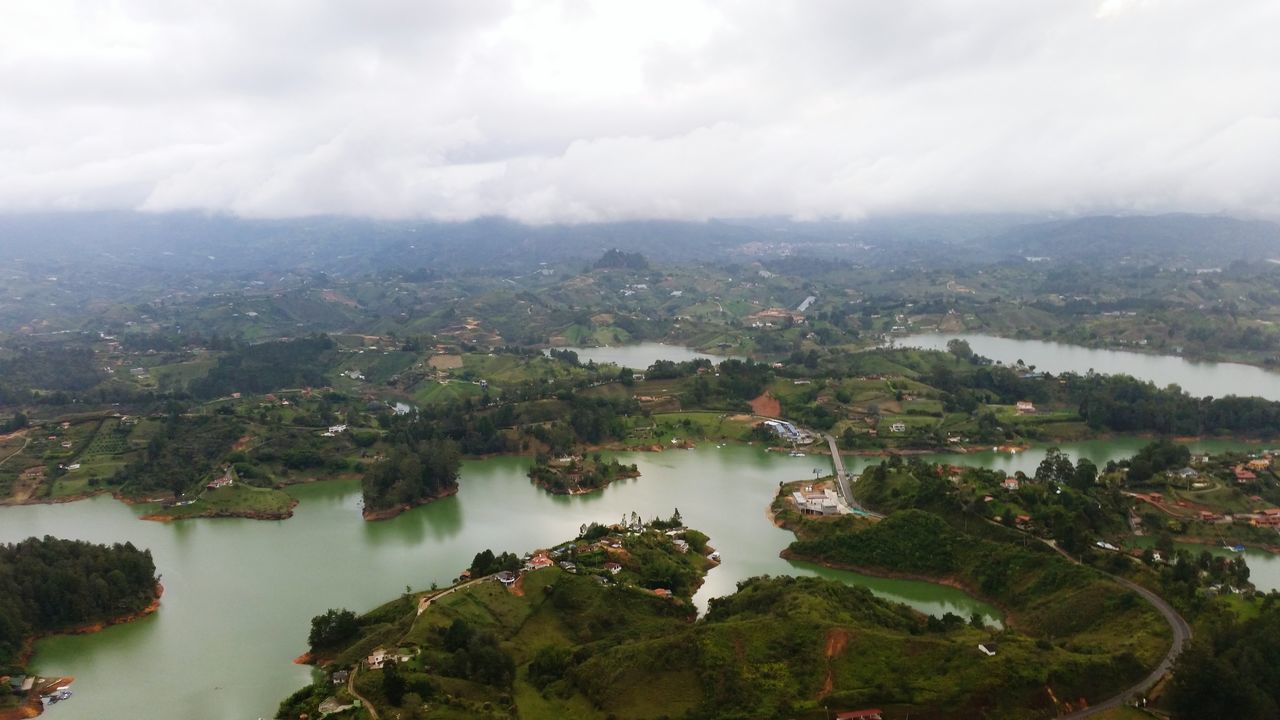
[234, 500]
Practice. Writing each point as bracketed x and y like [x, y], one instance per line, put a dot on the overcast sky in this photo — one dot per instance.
[574, 111]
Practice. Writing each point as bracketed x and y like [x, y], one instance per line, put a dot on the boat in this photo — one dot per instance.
[796, 453]
[1234, 548]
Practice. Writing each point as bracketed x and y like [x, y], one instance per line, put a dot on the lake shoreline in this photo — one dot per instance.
[391, 512]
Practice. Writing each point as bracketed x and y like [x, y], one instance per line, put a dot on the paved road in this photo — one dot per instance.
[1181, 634]
[842, 479]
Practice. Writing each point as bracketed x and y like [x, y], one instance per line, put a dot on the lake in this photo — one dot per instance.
[1197, 378]
[641, 355]
[239, 594]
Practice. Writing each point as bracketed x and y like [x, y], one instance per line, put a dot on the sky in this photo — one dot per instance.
[579, 111]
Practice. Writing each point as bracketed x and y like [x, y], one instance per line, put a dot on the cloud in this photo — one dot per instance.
[595, 110]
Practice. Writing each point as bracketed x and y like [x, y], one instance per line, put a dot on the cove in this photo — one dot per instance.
[641, 355]
[1197, 378]
[239, 594]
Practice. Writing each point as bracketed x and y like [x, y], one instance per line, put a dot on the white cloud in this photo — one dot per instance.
[595, 110]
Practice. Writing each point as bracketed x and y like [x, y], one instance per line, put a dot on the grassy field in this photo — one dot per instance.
[234, 501]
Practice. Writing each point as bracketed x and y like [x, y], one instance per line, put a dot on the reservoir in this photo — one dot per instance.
[1197, 378]
[641, 355]
[239, 594]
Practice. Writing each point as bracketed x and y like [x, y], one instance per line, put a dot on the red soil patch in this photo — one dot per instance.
[766, 405]
[837, 641]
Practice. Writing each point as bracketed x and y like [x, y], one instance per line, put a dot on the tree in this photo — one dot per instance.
[960, 348]
[1085, 475]
[333, 628]
[393, 684]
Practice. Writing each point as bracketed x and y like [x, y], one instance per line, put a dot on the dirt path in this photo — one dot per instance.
[26, 440]
[351, 688]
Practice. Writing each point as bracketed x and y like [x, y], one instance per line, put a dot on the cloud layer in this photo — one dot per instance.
[581, 111]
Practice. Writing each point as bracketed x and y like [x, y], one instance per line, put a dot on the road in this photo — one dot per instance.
[1181, 634]
[842, 478]
[351, 687]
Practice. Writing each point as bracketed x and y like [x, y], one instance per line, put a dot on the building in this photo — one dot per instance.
[1025, 407]
[816, 502]
[787, 431]
[340, 677]
[226, 480]
[613, 568]
[898, 427]
[377, 659]
[1243, 475]
[1010, 483]
[538, 561]
[681, 545]
[507, 578]
[335, 429]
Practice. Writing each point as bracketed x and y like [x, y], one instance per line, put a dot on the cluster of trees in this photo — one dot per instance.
[413, 473]
[587, 474]
[49, 584]
[477, 655]
[1231, 668]
[184, 452]
[1154, 458]
[17, 422]
[1124, 404]
[267, 367]
[333, 629]
[486, 563]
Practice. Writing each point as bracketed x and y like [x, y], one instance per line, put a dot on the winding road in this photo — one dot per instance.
[1181, 634]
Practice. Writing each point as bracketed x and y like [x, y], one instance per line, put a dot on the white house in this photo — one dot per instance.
[898, 427]
[816, 502]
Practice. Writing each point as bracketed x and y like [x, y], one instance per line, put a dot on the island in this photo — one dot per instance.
[575, 474]
[50, 586]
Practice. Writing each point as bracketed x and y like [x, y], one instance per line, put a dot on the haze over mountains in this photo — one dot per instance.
[192, 242]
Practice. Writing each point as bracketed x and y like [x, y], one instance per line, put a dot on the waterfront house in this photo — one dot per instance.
[1010, 484]
[815, 502]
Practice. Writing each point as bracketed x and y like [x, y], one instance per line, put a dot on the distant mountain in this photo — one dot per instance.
[120, 243]
[1192, 241]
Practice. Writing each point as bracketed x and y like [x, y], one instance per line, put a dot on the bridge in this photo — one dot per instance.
[842, 479]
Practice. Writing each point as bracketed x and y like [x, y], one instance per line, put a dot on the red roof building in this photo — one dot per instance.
[872, 714]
